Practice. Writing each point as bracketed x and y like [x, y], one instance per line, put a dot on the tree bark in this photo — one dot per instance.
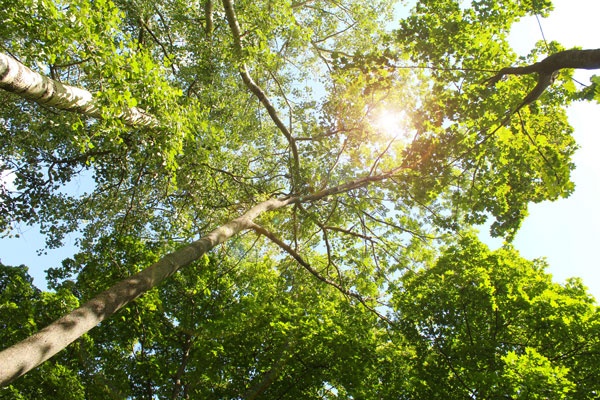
[22, 81]
[547, 70]
[208, 17]
[574, 58]
[20, 358]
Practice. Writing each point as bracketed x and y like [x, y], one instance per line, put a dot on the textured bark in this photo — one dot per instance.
[547, 70]
[208, 17]
[577, 59]
[20, 358]
[19, 79]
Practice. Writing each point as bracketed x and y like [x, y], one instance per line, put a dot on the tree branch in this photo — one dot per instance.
[162, 46]
[258, 92]
[269, 377]
[259, 229]
[547, 71]
[177, 384]
[208, 17]
[574, 58]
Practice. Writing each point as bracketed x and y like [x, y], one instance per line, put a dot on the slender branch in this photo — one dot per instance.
[537, 148]
[454, 371]
[257, 91]
[400, 228]
[334, 165]
[162, 46]
[259, 229]
[315, 219]
[378, 159]
[287, 101]
[334, 34]
[269, 377]
[467, 323]
[346, 187]
[177, 384]
[166, 27]
[386, 246]
[349, 232]
[208, 18]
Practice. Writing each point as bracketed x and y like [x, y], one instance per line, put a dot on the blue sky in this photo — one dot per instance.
[566, 232]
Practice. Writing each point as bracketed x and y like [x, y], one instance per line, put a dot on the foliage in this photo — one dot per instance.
[471, 323]
[309, 78]
[494, 325]
[23, 310]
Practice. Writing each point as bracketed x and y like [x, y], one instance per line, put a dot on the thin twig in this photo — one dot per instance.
[259, 229]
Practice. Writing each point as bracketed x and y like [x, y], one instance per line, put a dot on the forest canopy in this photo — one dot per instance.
[282, 201]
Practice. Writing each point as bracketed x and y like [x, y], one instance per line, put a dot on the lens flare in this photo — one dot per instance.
[390, 123]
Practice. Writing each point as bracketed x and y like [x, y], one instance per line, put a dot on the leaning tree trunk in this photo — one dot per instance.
[22, 81]
[20, 358]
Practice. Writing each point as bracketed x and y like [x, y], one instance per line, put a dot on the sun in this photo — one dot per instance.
[390, 122]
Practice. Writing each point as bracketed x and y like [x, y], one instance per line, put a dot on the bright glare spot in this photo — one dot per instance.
[390, 123]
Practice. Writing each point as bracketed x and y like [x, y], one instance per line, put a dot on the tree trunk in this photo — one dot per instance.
[22, 81]
[20, 358]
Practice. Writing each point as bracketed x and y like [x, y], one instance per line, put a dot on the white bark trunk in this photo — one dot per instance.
[19, 79]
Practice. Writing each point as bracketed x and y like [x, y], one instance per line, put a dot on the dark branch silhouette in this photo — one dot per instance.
[547, 71]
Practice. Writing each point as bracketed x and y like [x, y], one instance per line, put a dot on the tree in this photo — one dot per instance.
[472, 323]
[493, 325]
[232, 139]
